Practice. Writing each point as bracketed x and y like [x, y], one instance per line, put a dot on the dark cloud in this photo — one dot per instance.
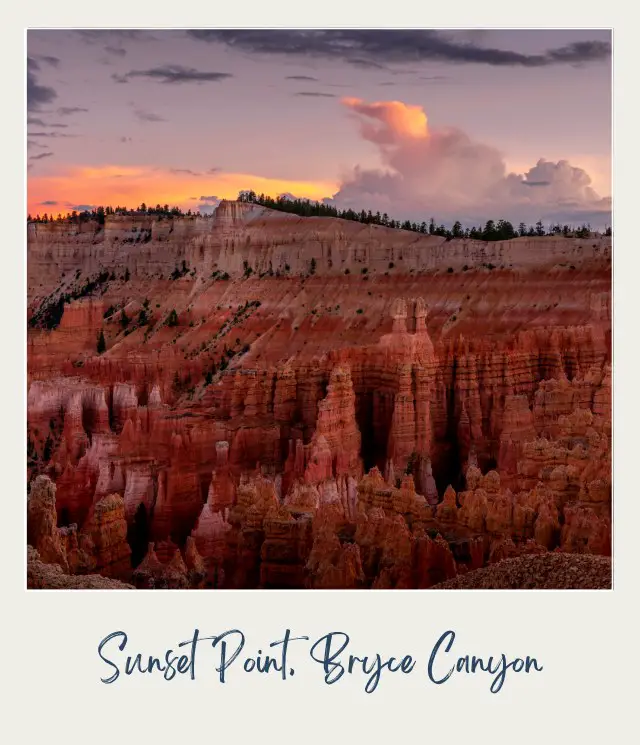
[302, 77]
[50, 134]
[116, 51]
[191, 172]
[209, 199]
[40, 123]
[68, 110]
[47, 59]
[147, 116]
[316, 94]
[536, 183]
[373, 48]
[40, 156]
[33, 143]
[112, 37]
[174, 74]
[126, 139]
[48, 203]
[366, 64]
[37, 95]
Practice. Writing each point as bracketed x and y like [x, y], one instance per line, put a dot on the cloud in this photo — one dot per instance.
[116, 51]
[125, 139]
[47, 59]
[190, 172]
[207, 209]
[40, 156]
[374, 48]
[315, 94]
[40, 123]
[383, 122]
[131, 185]
[37, 95]
[208, 205]
[113, 36]
[50, 134]
[48, 203]
[80, 207]
[307, 78]
[68, 110]
[33, 143]
[147, 116]
[446, 174]
[172, 74]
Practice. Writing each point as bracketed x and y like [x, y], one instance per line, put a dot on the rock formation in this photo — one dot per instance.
[410, 410]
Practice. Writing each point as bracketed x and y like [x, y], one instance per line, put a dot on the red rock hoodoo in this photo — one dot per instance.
[290, 402]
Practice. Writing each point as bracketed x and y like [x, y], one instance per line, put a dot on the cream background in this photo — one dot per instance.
[586, 640]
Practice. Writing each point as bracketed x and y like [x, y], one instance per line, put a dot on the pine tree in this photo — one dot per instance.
[102, 344]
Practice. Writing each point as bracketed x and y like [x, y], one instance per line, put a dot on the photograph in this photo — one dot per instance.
[318, 309]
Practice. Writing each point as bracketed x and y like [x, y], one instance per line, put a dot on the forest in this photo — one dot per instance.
[492, 230]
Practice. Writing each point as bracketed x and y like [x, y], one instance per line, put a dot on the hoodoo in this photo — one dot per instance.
[285, 401]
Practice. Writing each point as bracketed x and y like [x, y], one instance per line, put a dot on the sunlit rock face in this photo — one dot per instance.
[396, 412]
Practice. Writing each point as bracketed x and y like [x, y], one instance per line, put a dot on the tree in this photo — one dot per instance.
[489, 231]
[312, 267]
[539, 228]
[102, 344]
[456, 231]
[124, 319]
[173, 318]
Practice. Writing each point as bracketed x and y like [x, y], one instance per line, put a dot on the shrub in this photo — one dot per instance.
[173, 318]
[359, 311]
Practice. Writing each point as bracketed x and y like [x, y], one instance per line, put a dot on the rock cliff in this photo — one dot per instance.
[310, 402]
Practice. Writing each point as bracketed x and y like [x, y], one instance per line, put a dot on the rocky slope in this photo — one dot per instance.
[310, 402]
[552, 571]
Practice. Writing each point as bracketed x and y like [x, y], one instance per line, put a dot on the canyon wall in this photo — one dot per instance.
[311, 402]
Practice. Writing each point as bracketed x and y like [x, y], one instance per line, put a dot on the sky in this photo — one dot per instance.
[468, 125]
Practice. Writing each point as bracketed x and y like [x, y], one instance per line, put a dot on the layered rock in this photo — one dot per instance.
[391, 427]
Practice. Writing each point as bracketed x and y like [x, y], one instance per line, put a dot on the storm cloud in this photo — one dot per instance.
[374, 48]
[37, 95]
[173, 74]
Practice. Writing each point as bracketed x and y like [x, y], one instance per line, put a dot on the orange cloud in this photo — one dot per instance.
[131, 185]
[398, 120]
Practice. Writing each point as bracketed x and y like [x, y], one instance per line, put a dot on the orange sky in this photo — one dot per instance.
[130, 186]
